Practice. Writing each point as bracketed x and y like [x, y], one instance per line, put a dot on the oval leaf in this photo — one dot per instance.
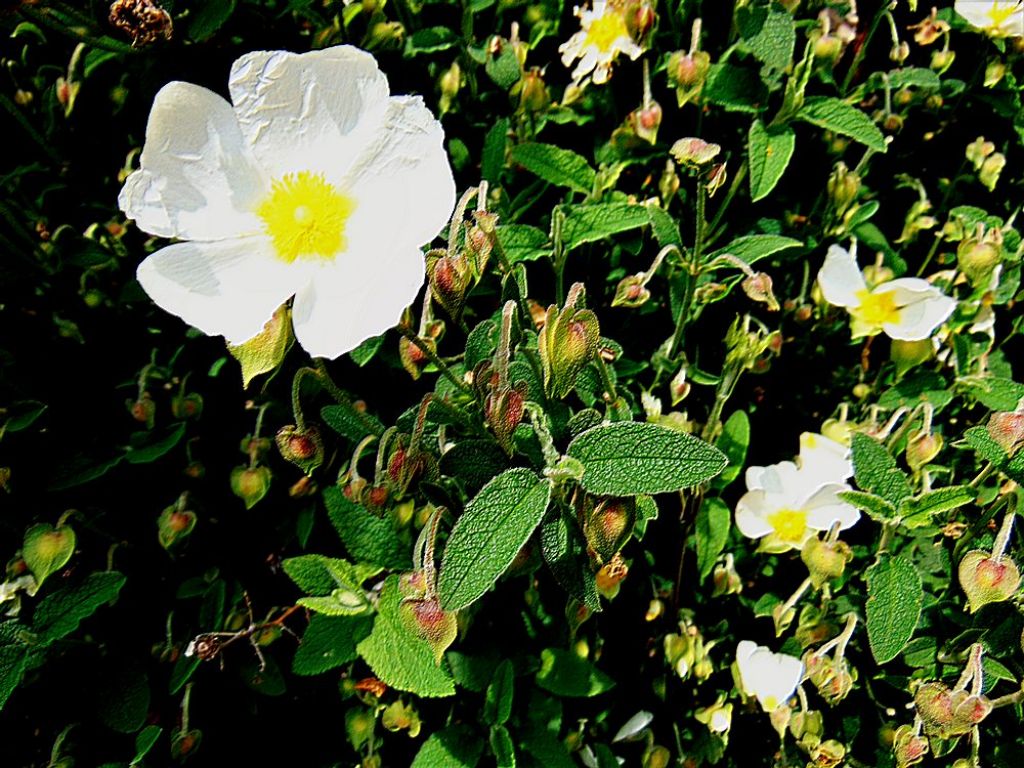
[489, 534]
[631, 458]
[894, 603]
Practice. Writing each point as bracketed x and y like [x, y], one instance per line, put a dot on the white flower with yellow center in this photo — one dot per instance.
[908, 308]
[825, 457]
[998, 18]
[785, 505]
[769, 677]
[602, 37]
[314, 183]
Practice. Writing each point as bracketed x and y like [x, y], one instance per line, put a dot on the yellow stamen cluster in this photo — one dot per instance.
[305, 217]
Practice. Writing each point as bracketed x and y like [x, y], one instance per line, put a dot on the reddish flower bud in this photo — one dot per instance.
[304, 448]
[250, 484]
[986, 579]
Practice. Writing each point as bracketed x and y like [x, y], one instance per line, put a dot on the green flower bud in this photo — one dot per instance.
[922, 448]
[187, 406]
[631, 292]
[986, 579]
[449, 278]
[250, 484]
[843, 187]
[942, 60]
[304, 448]
[990, 170]
[824, 560]
[567, 343]
[908, 748]
[609, 525]
[687, 73]
[425, 618]
[977, 259]
[173, 525]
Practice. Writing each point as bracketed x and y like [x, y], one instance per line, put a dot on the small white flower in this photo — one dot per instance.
[314, 183]
[770, 677]
[785, 505]
[908, 308]
[602, 37]
[999, 18]
[825, 457]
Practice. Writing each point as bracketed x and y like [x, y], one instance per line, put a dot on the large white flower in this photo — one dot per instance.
[999, 18]
[770, 677]
[908, 308]
[314, 183]
[785, 505]
[602, 37]
[824, 457]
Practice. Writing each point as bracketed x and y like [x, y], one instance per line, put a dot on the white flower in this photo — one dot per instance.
[908, 309]
[785, 505]
[825, 457]
[602, 37]
[999, 18]
[770, 677]
[315, 184]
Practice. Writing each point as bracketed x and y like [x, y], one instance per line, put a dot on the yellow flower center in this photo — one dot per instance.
[1000, 12]
[305, 217]
[771, 703]
[789, 524]
[876, 309]
[605, 30]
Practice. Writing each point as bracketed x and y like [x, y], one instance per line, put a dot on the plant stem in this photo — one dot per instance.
[432, 357]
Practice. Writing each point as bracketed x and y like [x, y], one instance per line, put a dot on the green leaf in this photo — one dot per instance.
[398, 657]
[753, 248]
[838, 116]
[737, 89]
[894, 604]
[498, 701]
[549, 750]
[319, 575]
[993, 392]
[265, 351]
[210, 17]
[988, 449]
[59, 614]
[588, 223]
[502, 747]
[474, 463]
[488, 535]
[329, 642]
[630, 458]
[565, 551]
[46, 549]
[145, 742]
[12, 668]
[454, 747]
[912, 77]
[366, 351]
[492, 162]
[147, 447]
[558, 166]
[21, 415]
[523, 242]
[80, 470]
[563, 673]
[876, 471]
[877, 508]
[664, 227]
[503, 68]
[733, 442]
[770, 150]
[920, 509]
[123, 696]
[350, 423]
[712, 531]
[769, 33]
[367, 538]
[430, 40]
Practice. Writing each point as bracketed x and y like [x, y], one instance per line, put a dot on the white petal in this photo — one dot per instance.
[824, 457]
[197, 179]
[308, 111]
[919, 319]
[354, 299]
[840, 278]
[402, 183]
[751, 514]
[229, 288]
[825, 508]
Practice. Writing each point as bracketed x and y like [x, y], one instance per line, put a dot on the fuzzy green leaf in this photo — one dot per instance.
[348, 422]
[367, 538]
[736, 89]
[770, 150]
[400, 658]
[492, 162]
[630, 458]
[769, 33]
[563, 673]
[753, 248]
[564, 550]
[502, 747]
[894, 604]
[329, 642]
[523, 242]
[12, 667]
[59, 614]
[558, 166]
[488, 535]
[712, 531]
[920, 509]
[838, 116]
[876, 471]
[733, 442]
[429, 40]
[588, 223]
[454, 747]
[993, 392]
[664, 228]
[498, 701]
[877, 508]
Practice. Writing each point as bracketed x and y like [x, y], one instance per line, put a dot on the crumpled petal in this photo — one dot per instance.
[309, 111]
[840, 278]
[825, 508]
[229, 287]
[354, 299]
[924, 308]
[752, 512]
[197, 180]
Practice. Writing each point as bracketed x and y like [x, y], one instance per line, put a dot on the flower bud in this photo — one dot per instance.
[807, 727]
[725, 578]
[716, 178]
[899, 52]
[530, 93]
[303, 487]
[687, 73]
[717, 717]
[910, 354]
[908, 748]
[828, 48]
[173, 525]
[187, 406]
[385, 35]
[942, 60]
[694, 152]
[834, 680]
[758, 287]
[143, 410]
[977, 259]
[656, 756]
[986, 579]
[359, 724]
[990, 170]
[503, 410]
[254, 447]
[611, 575]
[646, 121]
[641, 19]
[631, 292]
[426, 619]
[399, 716]
[449, 278]
[825, 560]
[250, 484]
[609, 525]
[922, 448]
[668, 183]
[978, 150]
[567, 344]
[679, 387]
[828, 754]
[843, 187]
[449, 84]
[995, 71]
[185, 743]
[1007, 429]
[302, 447]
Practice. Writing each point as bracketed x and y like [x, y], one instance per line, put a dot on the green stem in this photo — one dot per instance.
[684, 314]
[432, 357]
[557, 220]
[44, 18]
[737, 181]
